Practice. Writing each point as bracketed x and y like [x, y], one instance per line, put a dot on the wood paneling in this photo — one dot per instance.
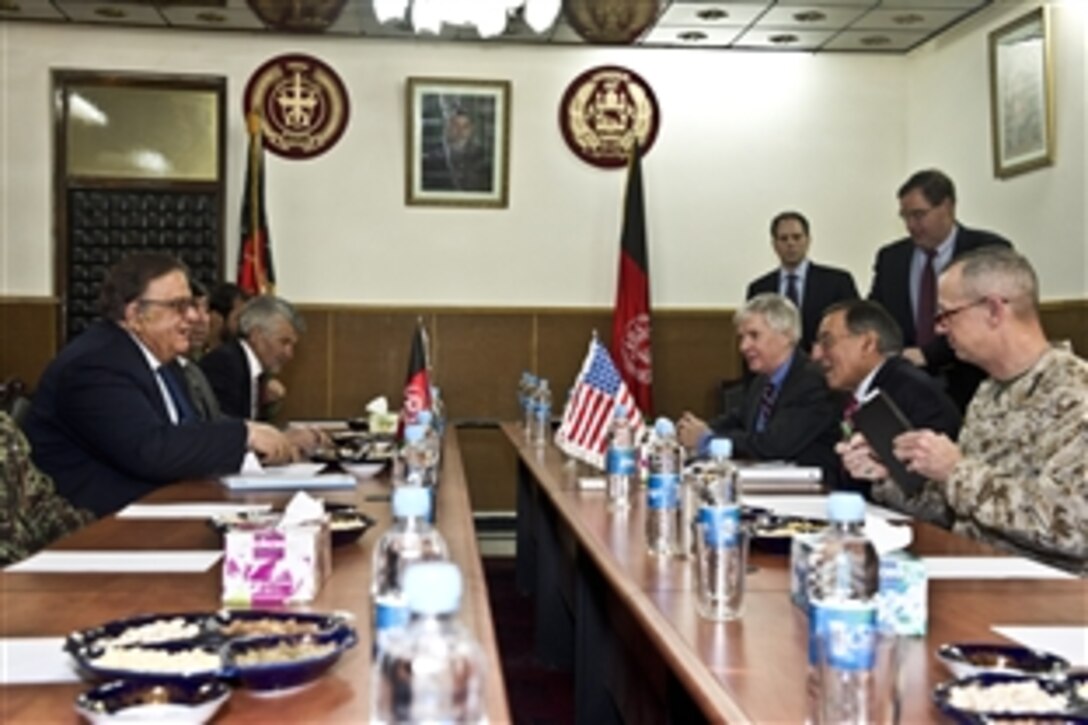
[28, 337]
[351, 354]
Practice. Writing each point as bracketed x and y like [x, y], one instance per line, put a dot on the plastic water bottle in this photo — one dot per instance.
[432, 442]
[722, 566]
[542, 414]
[410, 540]
[712, 486]
[620, 464]
[434, 670]
[663, 491]
[526, 389]
[843, 570]
[438, 408]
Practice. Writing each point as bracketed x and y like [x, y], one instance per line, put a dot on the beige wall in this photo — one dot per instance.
[743, 136]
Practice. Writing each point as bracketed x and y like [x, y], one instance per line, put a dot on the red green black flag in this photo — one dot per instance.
[255, 273]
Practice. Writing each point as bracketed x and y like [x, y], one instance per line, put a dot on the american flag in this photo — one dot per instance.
[597, 390]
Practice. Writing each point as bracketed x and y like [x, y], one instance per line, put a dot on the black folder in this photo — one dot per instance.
[880, 420]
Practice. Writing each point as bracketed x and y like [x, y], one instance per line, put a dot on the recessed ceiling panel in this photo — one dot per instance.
[710, 14]
[211, 18]
[805, 17]
[875, 41]
[116, 13]
[907, 19]
[779, 39]
[29, 10]
[692, 36]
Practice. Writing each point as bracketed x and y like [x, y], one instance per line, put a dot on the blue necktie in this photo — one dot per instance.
[184, 408]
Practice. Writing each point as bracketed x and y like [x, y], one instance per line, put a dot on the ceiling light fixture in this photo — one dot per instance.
[489, 17]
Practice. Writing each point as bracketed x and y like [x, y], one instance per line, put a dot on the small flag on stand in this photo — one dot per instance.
[631, 316]
[255, 273]
[598, 389]
[417, 385]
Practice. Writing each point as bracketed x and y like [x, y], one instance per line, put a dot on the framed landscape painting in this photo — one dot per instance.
[458, 142]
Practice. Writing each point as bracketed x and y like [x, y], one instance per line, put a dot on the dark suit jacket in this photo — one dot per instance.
[227, 369]
[803, 426]
[891, 288]
[824, 286]
[100, 428]
[921, 399]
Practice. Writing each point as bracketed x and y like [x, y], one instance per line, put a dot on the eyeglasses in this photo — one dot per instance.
[943, 316]
[915, 215]
[180, 305]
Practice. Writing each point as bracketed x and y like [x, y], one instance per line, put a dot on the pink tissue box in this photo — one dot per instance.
[265, 566]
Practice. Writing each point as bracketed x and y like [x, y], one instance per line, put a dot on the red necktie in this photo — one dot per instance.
[927, 301]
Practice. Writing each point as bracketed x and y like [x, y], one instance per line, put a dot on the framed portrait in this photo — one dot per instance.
[458, 135]
[1022, 95]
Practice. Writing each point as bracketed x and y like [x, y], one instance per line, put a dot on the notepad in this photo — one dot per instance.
[1068, 642]
[35, 661]
[880, 420]
[117, 562]
[194, 510]
[989, 567]
[294, 476]
[814, 507]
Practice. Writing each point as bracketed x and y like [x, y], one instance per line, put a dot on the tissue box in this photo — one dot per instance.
[264, 565]
[383, 422]
[903, 593]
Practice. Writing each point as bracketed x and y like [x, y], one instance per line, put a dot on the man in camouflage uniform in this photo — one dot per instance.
[1019, 477]
[32, 514]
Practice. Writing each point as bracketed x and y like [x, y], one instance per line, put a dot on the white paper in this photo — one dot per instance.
[778, 471]
[989, 567]
[887, 537]
[193, 510]
[378, 405]
[814, 507]
[141, 562]
[35, 661]
[591, 483]
[1068, 642]
[300, 509]
[251, 464]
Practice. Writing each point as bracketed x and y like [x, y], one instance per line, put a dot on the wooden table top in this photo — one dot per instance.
[40, 605]
[753, 669]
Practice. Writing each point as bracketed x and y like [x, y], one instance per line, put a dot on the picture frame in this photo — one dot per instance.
[458, 142]
[1022, 94]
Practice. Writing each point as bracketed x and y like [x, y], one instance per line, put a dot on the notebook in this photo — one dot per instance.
[880, 420]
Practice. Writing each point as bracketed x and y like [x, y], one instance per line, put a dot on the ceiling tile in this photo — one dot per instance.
[809, 16]
[688, 14]
[831, 3]
[772, 39]
[29, 10]
[907, 19]
[211, 18]
[876, 41]
[689, 37]
[115, 13]
[943, 4]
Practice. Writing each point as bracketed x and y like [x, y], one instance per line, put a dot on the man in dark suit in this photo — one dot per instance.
[811, 287]
[905, 277]
[858, 348]
[239, 370]
[111, 419]
[787, 412]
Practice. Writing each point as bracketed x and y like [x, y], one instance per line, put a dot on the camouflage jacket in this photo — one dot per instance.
[32, 513]
[1022, 483]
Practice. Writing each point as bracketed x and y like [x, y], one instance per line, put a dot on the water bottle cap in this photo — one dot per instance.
[543, 383]
[433, 587]
[846, 507]
[424, 418]
[664, 428]
[414, 433]
[620, 411]
[411, 501]
[721, 448]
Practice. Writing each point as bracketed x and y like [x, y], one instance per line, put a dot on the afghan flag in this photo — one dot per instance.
[417, 384]
[255, 273]
[631, 316]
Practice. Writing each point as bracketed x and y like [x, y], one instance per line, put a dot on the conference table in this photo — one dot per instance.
[626, 622]
[54, 604]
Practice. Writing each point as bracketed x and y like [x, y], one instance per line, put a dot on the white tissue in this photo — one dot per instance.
[301, 509]
[378, 405]
[250, 464]
[887, 537]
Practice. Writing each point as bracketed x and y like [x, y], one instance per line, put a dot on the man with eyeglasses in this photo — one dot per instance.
[111, 419]
[809, 286]
[905, 276]
[858, 347]
[1018, 478]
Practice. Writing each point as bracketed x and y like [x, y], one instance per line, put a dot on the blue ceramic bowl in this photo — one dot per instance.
[238, 624]
[944, 694]
[91, 663]
[964, 660]
[133, 701]
[193, 623]
[277, 675]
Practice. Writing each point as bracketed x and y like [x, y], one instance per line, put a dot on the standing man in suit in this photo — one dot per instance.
[905, 276]
[111, 419]
[788, 412]
[240, 369]
[811, 287]
[858, 347]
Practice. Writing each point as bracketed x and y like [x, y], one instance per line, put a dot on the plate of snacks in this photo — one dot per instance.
[999, 697]
[132, 701]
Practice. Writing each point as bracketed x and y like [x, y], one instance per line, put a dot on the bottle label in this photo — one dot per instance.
[663, 491]
[543, 412]
[620, 461]
[848, 633]
[390, 615]
[721, 526]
